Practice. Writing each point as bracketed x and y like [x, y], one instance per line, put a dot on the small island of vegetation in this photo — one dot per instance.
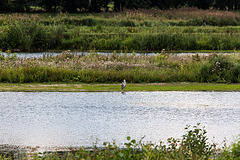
[92, 72]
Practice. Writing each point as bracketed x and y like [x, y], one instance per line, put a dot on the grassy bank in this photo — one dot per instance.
[143, 30]
[54, 87]
[99, 68]
[193, 145]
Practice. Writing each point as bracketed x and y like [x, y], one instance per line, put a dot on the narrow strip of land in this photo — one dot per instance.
[76, 87]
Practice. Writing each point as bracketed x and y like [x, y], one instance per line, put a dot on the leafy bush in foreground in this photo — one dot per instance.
[194, 145]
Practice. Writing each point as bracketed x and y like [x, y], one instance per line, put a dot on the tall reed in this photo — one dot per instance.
[141, 30]
[97, 68]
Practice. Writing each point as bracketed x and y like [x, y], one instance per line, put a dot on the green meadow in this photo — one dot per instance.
[144, 87]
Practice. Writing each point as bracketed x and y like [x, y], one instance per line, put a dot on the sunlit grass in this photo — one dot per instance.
[73, 87]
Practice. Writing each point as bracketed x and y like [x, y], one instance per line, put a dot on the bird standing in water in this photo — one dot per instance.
[124, 83]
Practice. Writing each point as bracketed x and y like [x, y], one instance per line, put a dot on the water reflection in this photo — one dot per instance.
[78, 119]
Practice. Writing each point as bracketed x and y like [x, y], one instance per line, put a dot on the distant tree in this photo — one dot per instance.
[4, 7]
[220, 4]
[236, 4]
[161, 4]
[204, 4]
[192, 3]
[230, 4]
[19, 5]
[137, 4]
[50, 5]
[70, 5]
[233, 5]
[119, 5]
[94, 6]
[105, 4]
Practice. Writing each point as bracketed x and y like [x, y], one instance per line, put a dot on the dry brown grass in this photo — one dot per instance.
[182, 13]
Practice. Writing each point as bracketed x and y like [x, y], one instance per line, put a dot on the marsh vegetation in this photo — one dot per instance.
[99, 68]
[139, 30]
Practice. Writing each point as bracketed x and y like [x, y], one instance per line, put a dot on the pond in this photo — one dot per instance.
[57, 119]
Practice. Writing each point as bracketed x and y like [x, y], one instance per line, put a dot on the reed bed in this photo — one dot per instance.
[98, 68]
[32, 36]
[142, 30]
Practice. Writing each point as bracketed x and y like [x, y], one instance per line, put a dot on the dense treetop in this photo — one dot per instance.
[73, 6]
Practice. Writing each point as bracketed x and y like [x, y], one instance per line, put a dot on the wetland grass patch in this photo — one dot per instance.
[99, 68]
[142, 30]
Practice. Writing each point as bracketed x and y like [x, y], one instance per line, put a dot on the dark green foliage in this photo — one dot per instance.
[128, 31]
[220, 68]
[50, 6]
[127, 23]
[119, 5]
[195, 141]
[31, 35]
[194, 146]
[154, 42]
[232, 152]
[236, 150]
[211, 21]
[89, 22]
[234, 74]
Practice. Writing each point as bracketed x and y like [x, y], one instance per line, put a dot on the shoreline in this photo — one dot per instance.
[131, 87]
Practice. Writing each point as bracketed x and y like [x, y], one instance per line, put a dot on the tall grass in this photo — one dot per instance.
[154, 42]
[34, 36]
[143, 30]
[96, 68]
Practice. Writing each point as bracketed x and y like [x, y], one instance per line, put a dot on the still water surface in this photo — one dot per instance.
[50, 119]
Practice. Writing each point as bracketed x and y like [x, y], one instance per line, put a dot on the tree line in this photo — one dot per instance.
[73, 6]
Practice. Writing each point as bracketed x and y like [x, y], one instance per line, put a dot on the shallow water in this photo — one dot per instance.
[50, 119]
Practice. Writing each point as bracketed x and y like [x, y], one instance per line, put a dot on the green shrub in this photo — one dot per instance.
[195, 143]
[26, 35]
[127, 23]
[220, 68]
[89, 21]
[235, 148]
[210, 21]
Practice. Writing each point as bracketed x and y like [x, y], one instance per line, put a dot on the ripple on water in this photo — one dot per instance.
[50, 119]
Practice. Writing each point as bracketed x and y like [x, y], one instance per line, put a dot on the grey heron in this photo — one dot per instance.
[124, 83]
